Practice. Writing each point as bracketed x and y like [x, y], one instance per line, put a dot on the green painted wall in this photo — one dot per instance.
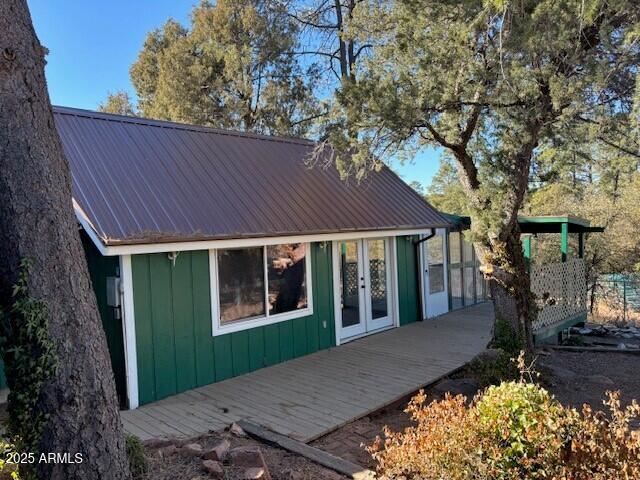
[175, 347]
[408, 289]
[99, 269]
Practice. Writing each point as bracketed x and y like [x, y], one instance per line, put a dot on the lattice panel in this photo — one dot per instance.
[561, 291]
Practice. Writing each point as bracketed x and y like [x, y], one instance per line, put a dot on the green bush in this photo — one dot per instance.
[490, 370]
[505, 338]
[521, 428]
[137, 460]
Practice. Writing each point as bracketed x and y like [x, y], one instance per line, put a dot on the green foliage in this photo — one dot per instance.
[29, 360]
[487, 371]
[505, 338]
[522, 424]
[119, 103]
[233, 67]
[445, 192]
[137, 461]
[8, 471]
[512, 431]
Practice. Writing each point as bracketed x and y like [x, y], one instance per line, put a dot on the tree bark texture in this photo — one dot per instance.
[510, 285]
[37, 221]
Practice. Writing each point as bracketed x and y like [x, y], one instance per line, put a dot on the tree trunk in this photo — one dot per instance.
[510, 285]
[37, 222]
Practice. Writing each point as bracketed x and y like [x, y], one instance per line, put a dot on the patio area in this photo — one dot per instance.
[311, 396]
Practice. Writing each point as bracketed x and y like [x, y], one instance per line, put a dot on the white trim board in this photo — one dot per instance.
[234, 242]
[129, 331]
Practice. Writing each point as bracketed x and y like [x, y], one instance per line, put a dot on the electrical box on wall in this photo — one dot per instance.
[113, 291]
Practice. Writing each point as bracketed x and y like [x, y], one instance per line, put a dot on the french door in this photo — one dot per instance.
[363, 287]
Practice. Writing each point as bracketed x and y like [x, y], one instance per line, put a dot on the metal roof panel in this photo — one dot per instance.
[146, 181]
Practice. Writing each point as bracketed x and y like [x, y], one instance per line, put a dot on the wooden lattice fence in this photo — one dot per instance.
[561, 291]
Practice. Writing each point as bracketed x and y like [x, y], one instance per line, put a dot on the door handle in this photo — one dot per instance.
[362, 286]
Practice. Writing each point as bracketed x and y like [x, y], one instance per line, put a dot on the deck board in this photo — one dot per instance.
[313, 395]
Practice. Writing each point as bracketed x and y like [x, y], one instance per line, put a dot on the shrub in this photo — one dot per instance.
[8, 471]
[512, 431]
[137, 461]
[490, 370]
[521, 429]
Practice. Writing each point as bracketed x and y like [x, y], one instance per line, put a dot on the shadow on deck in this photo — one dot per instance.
[311, 396]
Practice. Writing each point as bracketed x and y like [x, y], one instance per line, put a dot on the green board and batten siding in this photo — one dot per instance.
[175, 347]
[408, 305]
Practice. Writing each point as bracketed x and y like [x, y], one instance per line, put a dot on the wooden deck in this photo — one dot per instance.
[310, 396]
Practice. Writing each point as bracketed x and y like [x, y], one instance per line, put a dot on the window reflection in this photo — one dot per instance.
[240, 284]
[286, 274]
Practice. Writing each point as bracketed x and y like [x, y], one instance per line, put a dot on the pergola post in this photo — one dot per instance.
[564, 240]
[581, 244]
[526, 243]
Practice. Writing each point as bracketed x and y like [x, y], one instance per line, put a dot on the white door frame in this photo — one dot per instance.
[366, 325]
[436, 304]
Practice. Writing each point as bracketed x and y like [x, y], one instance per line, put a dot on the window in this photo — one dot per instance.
[469, 288]
[456, 288]
[455, 256]
[241, 284]
[467, 252]
[435, 260]
[259, 285]
[286, 272]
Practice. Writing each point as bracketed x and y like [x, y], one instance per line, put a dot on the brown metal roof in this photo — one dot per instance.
[145, 181]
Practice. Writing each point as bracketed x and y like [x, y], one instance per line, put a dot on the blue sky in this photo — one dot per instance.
[92, 45]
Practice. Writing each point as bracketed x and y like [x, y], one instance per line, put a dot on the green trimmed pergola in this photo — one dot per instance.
[532, 225]
[561, 224]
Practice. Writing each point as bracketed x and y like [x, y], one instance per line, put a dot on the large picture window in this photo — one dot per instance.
[259, 285]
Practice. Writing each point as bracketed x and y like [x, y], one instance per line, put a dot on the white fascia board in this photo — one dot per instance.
[87, 227]
[247, 242]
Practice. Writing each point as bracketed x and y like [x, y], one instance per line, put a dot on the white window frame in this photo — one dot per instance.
[266, 319]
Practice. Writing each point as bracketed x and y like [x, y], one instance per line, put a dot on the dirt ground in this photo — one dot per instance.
[282, 465]
[573, 377]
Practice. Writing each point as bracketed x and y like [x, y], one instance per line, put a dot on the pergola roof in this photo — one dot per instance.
[536, 224]
[553, 224]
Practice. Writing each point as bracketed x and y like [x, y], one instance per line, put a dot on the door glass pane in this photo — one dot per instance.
[349, 283]
[378, 277]
[436, 278]
[241, 284]
[435, 267]
[286, 273]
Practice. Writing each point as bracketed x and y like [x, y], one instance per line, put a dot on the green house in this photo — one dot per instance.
[214, 253]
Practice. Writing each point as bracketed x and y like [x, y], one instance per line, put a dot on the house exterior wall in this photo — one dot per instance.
[176, 350]
[99, 269]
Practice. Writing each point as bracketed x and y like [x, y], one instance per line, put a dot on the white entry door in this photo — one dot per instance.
[363, 286]
[434, 262]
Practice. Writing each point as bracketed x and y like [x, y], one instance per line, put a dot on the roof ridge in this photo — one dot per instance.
[113, 117]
